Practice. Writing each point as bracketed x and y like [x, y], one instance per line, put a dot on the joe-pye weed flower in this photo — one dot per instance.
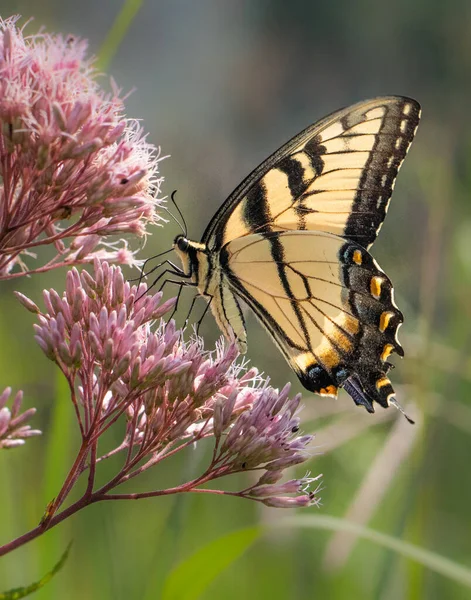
[74, 170]
[169, 393]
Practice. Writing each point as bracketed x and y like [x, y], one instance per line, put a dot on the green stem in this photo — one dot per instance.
[117, 33]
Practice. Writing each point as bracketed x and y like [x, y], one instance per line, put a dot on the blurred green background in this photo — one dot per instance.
[220, 85]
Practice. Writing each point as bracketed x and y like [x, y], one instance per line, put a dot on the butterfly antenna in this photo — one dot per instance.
[185, 228]
[396, 404]
[175, 219]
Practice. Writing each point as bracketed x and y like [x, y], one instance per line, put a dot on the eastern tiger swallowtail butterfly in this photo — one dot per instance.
[292, 242]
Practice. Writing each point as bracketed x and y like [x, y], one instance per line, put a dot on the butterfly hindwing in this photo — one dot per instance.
[336, 176]
[329, 307]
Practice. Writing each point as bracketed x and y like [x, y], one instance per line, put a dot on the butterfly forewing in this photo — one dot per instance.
[336, 176]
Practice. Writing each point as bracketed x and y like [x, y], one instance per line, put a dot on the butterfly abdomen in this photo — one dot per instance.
[204, 268]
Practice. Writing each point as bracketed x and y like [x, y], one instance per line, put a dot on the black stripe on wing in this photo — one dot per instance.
[374, 192]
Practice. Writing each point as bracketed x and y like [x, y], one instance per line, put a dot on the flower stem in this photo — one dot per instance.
[44, 526]
[71, 478]
[99, 496]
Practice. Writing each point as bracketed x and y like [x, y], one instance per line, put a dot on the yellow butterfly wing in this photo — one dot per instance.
[336, 176]
[327, 304]
[292, 240]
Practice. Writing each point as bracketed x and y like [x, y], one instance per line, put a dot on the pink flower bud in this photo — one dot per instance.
[27, 303]
[4, 420]
[12, 423]
[289, 501]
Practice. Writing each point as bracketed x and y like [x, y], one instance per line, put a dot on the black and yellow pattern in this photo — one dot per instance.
[336, 176]
[292, 242]
[321, 307]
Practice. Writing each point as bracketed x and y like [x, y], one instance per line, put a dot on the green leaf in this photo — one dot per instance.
[26, 591]
[191, 578]
[429, 559]
[117, 33]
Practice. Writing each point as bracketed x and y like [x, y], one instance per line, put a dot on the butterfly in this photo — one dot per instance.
[292, 241]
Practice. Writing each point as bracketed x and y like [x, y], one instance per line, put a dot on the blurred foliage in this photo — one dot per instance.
[220, 85]
[24, 591]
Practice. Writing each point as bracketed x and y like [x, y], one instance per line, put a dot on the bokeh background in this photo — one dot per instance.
[219, 85]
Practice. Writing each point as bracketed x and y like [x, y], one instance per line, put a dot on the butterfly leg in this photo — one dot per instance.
[180, 287]
[180, 284]
[173, 267]
[173, 271]
[193, 302]
[198, 325]
[192, 305]
[143, 274]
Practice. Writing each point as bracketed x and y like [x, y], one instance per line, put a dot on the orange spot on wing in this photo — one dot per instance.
[357, 257]
[388, 348]
[330, 390]
[384, 320]
[382, 382]
[375, 287]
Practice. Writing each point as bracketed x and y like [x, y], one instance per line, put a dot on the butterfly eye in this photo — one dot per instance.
[181, 243]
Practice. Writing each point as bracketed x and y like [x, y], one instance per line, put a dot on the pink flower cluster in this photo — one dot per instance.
[13, 428]
[169, 393]
[74, 170]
